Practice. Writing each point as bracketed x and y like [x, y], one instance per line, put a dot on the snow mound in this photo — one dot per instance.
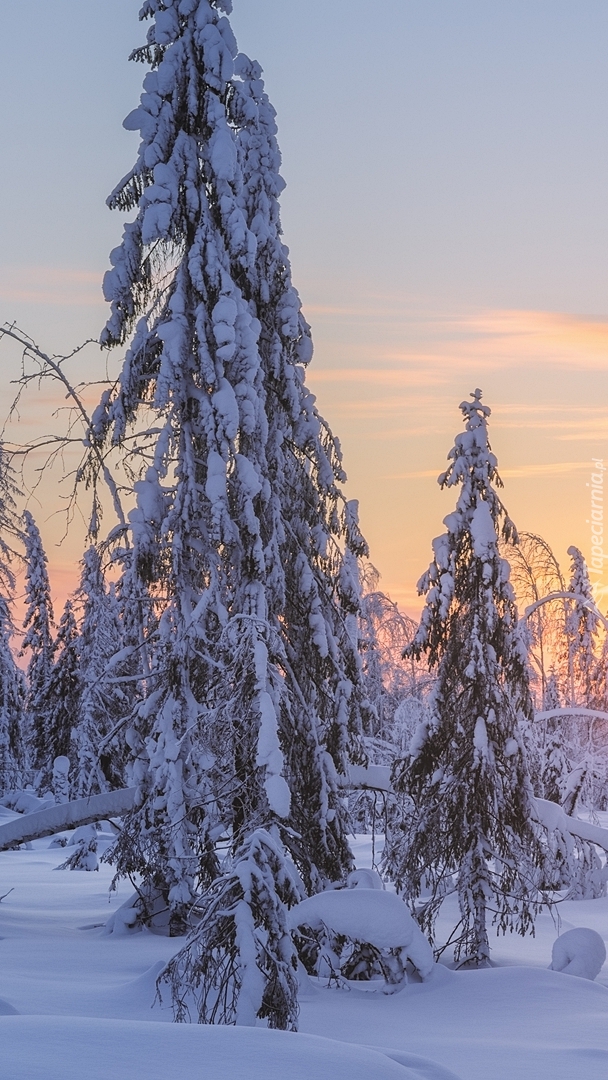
[6, 1009]
[27, 802]
[364, 879]
[378, 918]
[70, 1048]
[579, 952]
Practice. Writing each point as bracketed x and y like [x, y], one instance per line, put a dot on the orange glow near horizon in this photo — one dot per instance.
[389, 374]
[390, 379]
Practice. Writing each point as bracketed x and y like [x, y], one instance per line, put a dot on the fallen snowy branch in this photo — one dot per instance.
[550, 814]
[69, 815]
[572, 710]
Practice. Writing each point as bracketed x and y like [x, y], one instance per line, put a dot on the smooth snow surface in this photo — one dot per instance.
[68, 1048]
[85, 1001]
[502, 1024]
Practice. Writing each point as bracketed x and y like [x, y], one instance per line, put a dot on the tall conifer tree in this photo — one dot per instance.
[471, 799]
[241, 532]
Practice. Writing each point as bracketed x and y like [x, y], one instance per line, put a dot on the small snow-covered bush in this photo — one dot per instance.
[360, 933]
[364, 879]
[84, 839]
[25, 801]
[579, 952]
[61, 779]
[239, 963]
[127, 919]
[146, 907]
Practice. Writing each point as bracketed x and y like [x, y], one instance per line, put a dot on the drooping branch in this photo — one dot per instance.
[51, 368]
[583, 601]
[572, 710]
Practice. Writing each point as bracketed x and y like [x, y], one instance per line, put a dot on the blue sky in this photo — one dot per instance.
[446, 213]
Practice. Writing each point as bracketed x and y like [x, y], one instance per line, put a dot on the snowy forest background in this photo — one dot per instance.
[229, 656]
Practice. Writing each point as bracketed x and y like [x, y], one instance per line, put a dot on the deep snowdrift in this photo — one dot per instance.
[71, 1048]
[518, 1021]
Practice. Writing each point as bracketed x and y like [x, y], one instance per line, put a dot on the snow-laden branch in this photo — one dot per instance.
[582, 601]
[117, 803]
[550, 814]
[66, 816]
[572, 710]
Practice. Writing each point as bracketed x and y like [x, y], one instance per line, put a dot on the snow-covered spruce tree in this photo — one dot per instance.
[471, 816]
[102, 700]
[12, 685]
[241, 532]
[551, 758]
[581, 629]
[12, 708]
[38, 638]
[599, 684]
[60, 701]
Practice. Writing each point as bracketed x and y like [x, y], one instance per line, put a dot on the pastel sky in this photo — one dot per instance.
[446, 212]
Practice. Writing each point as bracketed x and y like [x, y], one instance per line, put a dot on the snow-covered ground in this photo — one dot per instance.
[84, 1003]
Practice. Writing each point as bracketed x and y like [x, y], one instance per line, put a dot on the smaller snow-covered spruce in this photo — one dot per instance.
[84, 856]
[581, 631]
[550, 758]
[37, 642]
[469, 824]
[103, 700]
[12, 684]
[59, 702]
[12, 709]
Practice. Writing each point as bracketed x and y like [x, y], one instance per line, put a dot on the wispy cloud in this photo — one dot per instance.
[539, 337]
[434, 340]
[50, 285]
[381, 377]
[558, 468]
